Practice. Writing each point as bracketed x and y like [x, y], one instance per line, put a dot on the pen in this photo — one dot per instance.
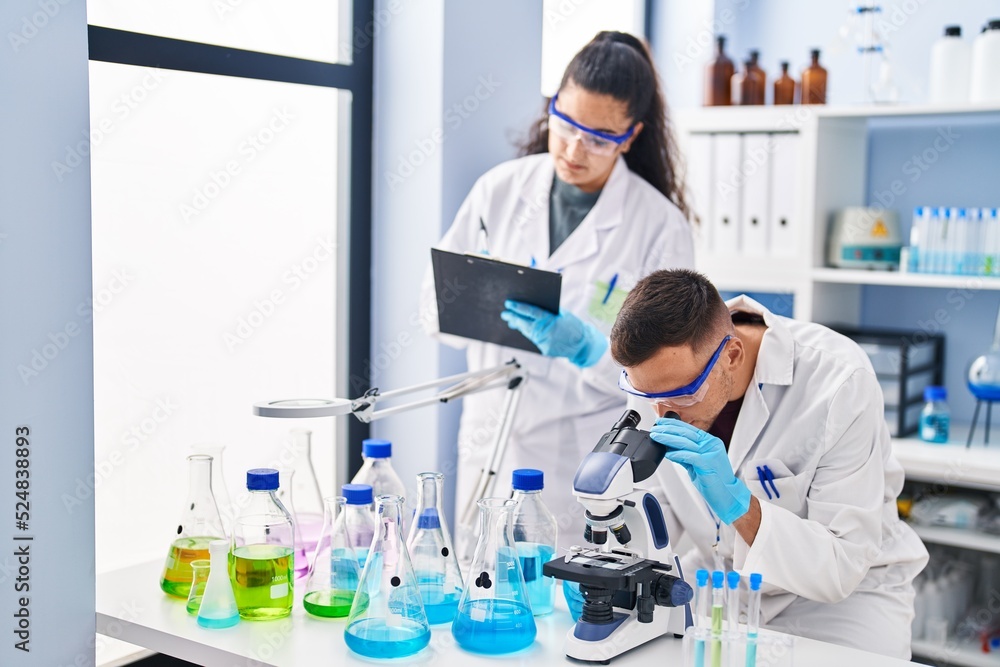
[611, 288]
[770, 478]
[762, 478]
[486, 234]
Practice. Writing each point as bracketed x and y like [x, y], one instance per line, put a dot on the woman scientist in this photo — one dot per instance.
[597, 197]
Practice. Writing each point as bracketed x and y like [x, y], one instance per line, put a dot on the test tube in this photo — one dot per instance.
[718, 602]
[701, 614]
[753, 618]
[733, 601]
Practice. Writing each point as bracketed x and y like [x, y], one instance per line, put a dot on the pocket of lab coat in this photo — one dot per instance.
[787, 491]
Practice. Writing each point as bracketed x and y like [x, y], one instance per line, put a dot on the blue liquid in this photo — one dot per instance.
[505, 626]
[344, 570]
[699, 652]
[218, 623]
[439, 606]
[574, 599]
[372, 638]
[541, 589]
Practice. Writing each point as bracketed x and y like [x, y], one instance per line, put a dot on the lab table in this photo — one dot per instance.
[131, 607]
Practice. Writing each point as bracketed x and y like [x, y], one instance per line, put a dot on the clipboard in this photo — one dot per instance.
[471, 290]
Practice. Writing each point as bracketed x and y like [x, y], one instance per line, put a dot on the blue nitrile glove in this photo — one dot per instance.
[707, 463]
[562, 335]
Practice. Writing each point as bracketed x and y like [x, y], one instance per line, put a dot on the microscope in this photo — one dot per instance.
[629, 577]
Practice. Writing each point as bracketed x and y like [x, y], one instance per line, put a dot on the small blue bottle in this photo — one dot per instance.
[935, 418]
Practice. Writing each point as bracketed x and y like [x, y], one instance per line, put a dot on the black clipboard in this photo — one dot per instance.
[471, 290]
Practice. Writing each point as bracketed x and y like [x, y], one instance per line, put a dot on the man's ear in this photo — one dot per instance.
[735, 352]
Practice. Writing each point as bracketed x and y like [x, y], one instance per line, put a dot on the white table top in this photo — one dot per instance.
[131, 607]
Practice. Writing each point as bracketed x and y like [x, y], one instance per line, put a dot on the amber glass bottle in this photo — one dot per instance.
[758, 86]
[718, 75]
[784, 86]
[814, 82]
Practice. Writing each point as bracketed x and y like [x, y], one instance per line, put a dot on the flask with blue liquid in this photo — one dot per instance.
[434, 560]
[535, 536]
[935, 418]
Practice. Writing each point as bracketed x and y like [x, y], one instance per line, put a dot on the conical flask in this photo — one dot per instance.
[334, 571]
[387, 617]
[494, 615]
[199, 577]
[218, 604]
[200, 524]
[220, 490]
[306, 498]
[434, 561]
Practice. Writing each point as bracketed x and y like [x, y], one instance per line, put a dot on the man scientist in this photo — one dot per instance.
[788, 461]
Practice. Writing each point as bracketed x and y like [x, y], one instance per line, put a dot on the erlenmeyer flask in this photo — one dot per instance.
[334, 571]
[220, 489]
[199, 577]
[285, 496]
[218, 605]
[306, 498]
[358, 519]
[434, 561]
[387, 617]
[494, 615]
[200, 524]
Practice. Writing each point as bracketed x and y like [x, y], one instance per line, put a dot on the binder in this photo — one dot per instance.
[783, 219]
[756, 192]
[700, 159]
[727, 193]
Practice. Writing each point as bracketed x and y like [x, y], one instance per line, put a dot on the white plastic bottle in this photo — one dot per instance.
[984, 82]
[951, 62]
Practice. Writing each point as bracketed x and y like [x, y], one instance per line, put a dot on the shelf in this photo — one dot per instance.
[897, 279]
[959, 537]
[793, 118]
[955, 652]
[952, 464]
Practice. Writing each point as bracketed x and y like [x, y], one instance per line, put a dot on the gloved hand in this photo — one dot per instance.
[562, 335]
[707, 463]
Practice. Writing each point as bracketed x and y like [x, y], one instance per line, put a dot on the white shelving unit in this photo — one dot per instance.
[830, 149]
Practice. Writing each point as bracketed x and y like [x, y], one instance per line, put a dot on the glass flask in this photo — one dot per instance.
[262, 560]
[378, 473]
[387, 617]
[494, 615]
[306, 500]
[984, 373]
[334, 571]
[359, 518]
[220, 490]
[200, 524]
[536, 534]
[199, 577]
[218, 604]
[432, 553]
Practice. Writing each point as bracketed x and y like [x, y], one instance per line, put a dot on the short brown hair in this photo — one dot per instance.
[668, 309]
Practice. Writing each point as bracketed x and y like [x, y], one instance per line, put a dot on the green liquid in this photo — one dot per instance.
[716, 634]
[177, 573]
[263, 577]
[329, 604]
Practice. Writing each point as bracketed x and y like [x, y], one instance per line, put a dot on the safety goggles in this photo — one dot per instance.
[683, 397]
[594, 141]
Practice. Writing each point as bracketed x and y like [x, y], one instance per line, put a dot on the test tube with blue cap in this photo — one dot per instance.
[753, 618]
[733, 601]
[718, 606]
[701, 613]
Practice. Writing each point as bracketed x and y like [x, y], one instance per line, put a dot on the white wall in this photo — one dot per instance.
[46, 360]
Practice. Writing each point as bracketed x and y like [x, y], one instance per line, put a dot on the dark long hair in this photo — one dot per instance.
[620, 65]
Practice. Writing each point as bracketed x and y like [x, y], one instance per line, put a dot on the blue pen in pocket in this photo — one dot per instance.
[611, 288]
[762, 478]
[770, 478]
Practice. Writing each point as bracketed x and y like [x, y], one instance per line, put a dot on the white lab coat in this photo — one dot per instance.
[837, 562]
[631, 231]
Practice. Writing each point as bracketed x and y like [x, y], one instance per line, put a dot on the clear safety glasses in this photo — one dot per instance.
[683, 397]
[594, 141]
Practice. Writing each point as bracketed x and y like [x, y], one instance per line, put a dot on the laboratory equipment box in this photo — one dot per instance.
[905, 362]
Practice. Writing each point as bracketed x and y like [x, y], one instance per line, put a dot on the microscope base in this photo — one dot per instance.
[629, 634]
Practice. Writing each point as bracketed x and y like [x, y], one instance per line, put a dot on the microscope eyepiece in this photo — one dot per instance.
[630, 419]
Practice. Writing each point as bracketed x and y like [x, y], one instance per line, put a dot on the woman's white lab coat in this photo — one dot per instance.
[631, 231]
[837, 562]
